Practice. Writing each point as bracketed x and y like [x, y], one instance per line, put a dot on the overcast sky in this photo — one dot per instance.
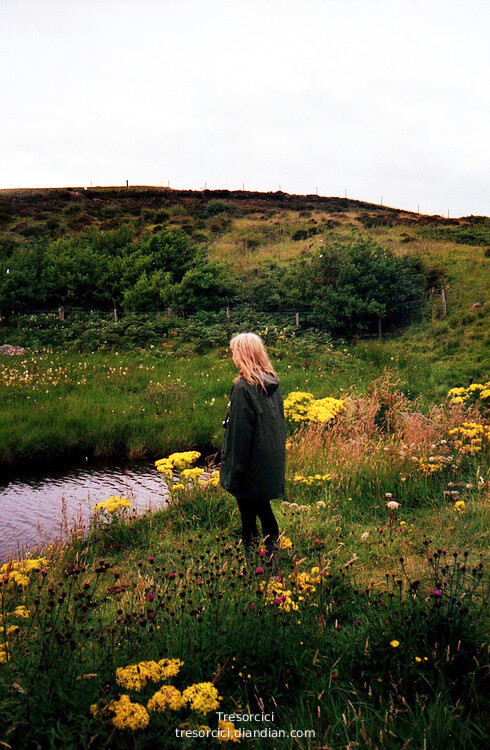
[379, 98]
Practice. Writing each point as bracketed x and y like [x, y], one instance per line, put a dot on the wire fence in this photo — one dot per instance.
[435, 305]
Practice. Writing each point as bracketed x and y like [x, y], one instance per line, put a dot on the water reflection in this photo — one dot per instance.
[32, 508]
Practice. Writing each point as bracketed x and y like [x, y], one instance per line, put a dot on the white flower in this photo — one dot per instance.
[392, 505]
[364, 536]
[388, 495]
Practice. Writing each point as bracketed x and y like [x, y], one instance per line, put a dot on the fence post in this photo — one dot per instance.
[228, 313]
[61, 313]
[444, 303]
[115, 314]
[297, 319]
[380, 331]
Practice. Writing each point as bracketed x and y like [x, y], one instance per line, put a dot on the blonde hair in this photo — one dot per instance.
[251, 358]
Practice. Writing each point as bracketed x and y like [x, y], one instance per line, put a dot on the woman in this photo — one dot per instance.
[254, 449]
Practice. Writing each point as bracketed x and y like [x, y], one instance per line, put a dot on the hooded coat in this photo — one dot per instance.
[253, 456]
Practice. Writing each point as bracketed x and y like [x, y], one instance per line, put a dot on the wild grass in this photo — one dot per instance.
[143, 402]
[367, 628]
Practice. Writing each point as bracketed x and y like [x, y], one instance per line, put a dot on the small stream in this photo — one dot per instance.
[33, 506]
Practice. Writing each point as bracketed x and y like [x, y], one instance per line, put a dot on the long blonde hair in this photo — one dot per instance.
[251, 358]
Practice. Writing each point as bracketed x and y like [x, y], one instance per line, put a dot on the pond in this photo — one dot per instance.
[37, 508]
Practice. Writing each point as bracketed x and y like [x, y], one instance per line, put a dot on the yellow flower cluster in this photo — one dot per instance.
[7, 631]
[276, 593]
[470, 437]
[312, 479]
[202, 697]
[429, 467]
[285, 543]
[17, 571]
[307, 581]
[300, 406]
[167, 697]
[176, 462]
[113, 504]
[128, 715]
[135, 676]
[227, 732]
[213, 479]
[475, 392]
[192, 475]
[20, 612]
[460, 506]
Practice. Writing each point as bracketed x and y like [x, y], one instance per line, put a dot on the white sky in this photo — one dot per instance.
[383, 98]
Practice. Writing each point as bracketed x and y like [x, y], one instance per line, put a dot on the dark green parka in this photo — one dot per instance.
[253, 457]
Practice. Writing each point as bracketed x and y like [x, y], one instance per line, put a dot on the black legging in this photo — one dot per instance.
[249, 510]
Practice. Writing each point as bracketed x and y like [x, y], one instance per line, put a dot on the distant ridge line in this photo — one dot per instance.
[261, 200]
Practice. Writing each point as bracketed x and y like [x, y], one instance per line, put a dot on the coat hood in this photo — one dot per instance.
[271, 384]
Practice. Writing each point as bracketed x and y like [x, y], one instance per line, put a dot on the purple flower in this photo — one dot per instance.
[151, 559]
[252, 607]
[259, 570]
[437, 592]
[277, 601]
[261, 553]
[151, 597]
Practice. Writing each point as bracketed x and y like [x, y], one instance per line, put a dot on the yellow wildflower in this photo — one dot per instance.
[301, 406]
[177, 462]
[395, 644]
[20, 611]
[167, 697]
[128, 715]
[192, 474]
[276, 593]
[135, 676]
[202, 697]
[4, 655]
[169, 667]
[227, 732]
[212, 480]
[17, 571]
[112, 504]
[474, 392]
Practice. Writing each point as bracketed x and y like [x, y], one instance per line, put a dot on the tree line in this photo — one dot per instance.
[348, 286]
